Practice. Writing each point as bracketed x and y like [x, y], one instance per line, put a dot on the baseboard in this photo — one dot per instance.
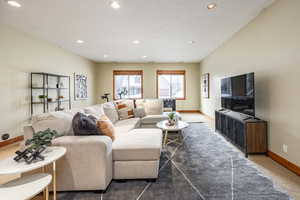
[11, 141]
[189, 111]
[282, 161]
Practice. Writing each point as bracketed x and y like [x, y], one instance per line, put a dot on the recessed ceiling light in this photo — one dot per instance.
[14, 4]
[136, 42]
[145, 57]
[80, 41]
[115, 5]
[211, 6]
[191, 42]
[105, 55]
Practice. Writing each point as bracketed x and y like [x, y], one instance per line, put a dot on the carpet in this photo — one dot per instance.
[203, 167]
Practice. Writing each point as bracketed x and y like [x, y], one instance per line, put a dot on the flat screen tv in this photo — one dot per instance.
[238, 93]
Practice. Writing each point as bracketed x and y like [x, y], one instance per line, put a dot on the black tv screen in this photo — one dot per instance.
[238, 93]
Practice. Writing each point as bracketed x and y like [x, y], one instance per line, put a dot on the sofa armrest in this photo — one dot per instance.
[87, 164]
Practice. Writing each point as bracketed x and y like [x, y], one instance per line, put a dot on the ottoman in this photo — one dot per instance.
[136, 154]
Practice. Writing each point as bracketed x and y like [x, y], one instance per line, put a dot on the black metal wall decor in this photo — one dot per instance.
[49, 92]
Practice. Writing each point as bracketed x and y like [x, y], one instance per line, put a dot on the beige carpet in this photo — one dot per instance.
[193, 117]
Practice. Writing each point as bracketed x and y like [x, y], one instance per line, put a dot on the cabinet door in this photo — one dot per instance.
[231, 129]
[217, 121]
[240, 134]
[223, 124]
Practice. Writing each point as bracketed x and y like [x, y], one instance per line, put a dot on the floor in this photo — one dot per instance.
[280, 175]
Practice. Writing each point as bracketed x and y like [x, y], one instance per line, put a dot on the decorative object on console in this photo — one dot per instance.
[38, 144]
[105, 96]
[80, 87]
[205, 85]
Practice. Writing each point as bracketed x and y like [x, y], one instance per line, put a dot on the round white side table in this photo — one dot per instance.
[26, 187]
[51, 154]
[165, 127]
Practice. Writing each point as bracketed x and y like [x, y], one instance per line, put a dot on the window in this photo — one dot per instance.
[128, 84]
[171, 84]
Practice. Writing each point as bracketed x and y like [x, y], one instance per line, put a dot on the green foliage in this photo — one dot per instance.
[42, 96]
[171, 115]
[42, 138]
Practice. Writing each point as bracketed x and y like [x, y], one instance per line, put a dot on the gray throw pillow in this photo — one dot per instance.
[85, 125]
[139, 112]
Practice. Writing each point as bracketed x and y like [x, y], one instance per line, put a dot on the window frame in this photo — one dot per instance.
[128, 72]
[171, 72]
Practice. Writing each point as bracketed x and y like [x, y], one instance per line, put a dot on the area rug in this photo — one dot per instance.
[203, 167]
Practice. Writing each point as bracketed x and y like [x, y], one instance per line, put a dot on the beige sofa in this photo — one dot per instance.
[91, 162]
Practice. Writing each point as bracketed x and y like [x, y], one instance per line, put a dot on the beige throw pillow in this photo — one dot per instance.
[106, 127]
[124, 109]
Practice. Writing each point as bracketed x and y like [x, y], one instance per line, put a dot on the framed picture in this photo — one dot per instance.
[205, 85]
[80, 87]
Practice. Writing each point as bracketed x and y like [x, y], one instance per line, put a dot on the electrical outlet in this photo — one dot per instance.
[285, 148]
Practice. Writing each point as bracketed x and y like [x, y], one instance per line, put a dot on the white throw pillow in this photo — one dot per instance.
[110, 111]
[58, 121]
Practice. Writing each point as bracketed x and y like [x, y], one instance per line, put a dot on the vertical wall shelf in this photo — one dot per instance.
[55, 89]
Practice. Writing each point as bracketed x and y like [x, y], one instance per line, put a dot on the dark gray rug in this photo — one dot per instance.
[203, 167]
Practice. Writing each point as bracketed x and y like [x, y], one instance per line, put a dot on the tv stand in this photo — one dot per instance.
[247, 133]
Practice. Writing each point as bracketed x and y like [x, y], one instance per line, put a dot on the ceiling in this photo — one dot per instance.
[163, 27]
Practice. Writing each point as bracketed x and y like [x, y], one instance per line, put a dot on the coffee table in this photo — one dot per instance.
[51, 154]
[175, 128]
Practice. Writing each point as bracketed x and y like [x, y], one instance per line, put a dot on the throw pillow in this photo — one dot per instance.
[124, 109]
[110, 111]
[139, 112]
[106, 127]
[85, 125]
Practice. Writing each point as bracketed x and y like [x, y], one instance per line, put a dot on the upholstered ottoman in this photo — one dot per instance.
[136, 154]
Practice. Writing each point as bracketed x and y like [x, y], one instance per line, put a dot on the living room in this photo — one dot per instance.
[157, 78]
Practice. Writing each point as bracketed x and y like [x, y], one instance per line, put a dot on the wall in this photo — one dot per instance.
[268, 46]
[192, 102]
[21, 54]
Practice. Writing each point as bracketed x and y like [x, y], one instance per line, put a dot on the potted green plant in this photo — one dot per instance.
[172, 118]
[42, 97]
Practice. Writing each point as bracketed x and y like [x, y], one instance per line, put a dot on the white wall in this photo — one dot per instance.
[270, 47]
[192, 102]
[21, 54]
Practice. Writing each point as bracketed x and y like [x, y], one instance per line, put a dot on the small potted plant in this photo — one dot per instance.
[172, 119]
[42, 97]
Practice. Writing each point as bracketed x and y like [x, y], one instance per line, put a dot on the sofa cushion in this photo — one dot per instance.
[153, 119]
[138, 144]
[139, 112]
[110, 111]
[124, 126]
[60, 121]
[153, 106]
[85, 125]
[95, 110]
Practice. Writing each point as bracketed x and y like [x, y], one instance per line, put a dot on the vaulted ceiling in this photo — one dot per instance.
[168, 30]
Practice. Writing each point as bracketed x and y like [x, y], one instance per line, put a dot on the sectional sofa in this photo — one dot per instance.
[91, 162]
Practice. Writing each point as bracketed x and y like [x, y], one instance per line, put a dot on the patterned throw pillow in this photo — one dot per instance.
[125, 109]
[106, 127]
